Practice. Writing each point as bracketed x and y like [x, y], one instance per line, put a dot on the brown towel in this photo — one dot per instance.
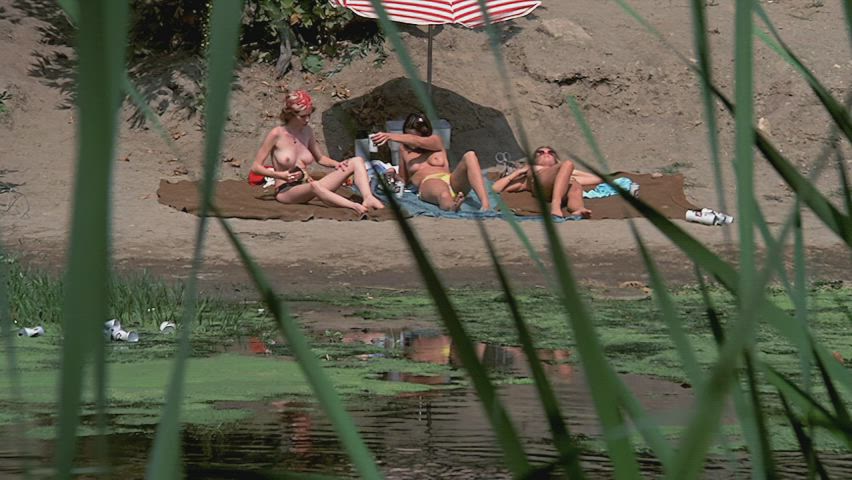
[239, 199]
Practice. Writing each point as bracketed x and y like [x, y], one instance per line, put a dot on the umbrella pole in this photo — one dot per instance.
[429, 64]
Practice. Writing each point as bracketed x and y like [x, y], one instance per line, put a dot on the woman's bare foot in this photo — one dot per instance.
[373, 203]
[457, 202]
[583, 212]
[359, 208]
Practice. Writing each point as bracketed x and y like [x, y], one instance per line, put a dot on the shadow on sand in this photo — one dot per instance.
[480, 128]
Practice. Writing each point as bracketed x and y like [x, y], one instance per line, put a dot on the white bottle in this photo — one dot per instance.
[374, 149]
[708, 216]
[31, 332]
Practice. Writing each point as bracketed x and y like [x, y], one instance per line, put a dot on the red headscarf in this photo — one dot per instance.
[300, 101]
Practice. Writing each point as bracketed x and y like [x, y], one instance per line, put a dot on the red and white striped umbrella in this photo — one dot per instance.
[439, 12]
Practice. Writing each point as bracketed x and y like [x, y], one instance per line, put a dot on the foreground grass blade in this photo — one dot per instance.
[509, 216]
[844, 182]
[726, 275]
[817, 413]
[72, 11]
[310, 365]
[767, 463]
[494, 41]
[568, 451]
[702, 50]
[12, 374]
[839, 223]
[703, 427]
[587, 133]
[825, 211]
[667, 310]
[836, 400]
[832, 106]
[805, 443]
[799, 296]
[392, 33]
[745, 414]
[101, 44]
[602, 381]
[507, 436]
[744, 167]
[164, 462]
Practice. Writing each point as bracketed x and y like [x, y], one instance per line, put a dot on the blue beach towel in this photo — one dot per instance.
[411, 203]
[418, 208]
[606, 190]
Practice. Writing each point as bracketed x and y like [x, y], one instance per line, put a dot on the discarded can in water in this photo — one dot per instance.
[113, 331]
[168, 327]
[36, 331]
[707, 216]
[125, 336]
[110, 327]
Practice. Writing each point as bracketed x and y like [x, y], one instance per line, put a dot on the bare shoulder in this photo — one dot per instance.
[276, 132]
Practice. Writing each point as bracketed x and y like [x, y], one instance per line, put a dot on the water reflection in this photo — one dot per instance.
[431, 346]
[435, 434]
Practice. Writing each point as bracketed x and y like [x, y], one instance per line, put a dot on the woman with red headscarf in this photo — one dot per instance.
[292, 147]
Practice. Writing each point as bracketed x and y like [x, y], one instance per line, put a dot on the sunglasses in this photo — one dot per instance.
[542, 151]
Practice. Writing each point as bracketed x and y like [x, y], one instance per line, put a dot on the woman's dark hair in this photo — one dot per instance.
[417, 123]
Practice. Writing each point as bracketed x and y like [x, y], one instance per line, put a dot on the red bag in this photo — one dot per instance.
[257, 179]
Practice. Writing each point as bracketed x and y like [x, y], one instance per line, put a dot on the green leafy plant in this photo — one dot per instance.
[307, 27]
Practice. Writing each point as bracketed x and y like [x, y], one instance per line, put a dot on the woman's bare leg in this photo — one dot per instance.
[586, 178]
[560, 187]
[299, 194]
[361, 180]
[437, 192]
[467, 175]
[576, 204]
[321, 189]
[334, 200]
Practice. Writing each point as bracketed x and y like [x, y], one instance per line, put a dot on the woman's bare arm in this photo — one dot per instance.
[319, 156]
[507, 183]
[432, 142]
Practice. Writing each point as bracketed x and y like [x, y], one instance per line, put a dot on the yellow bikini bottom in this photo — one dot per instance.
[444, 177]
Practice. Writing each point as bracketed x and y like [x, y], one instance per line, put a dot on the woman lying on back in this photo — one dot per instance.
[560, 182]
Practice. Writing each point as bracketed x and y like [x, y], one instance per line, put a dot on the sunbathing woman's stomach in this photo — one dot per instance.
[424, 171]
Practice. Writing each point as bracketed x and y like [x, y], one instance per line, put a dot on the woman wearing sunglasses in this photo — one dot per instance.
[291, 147]
[560, 182]
[424, 164]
